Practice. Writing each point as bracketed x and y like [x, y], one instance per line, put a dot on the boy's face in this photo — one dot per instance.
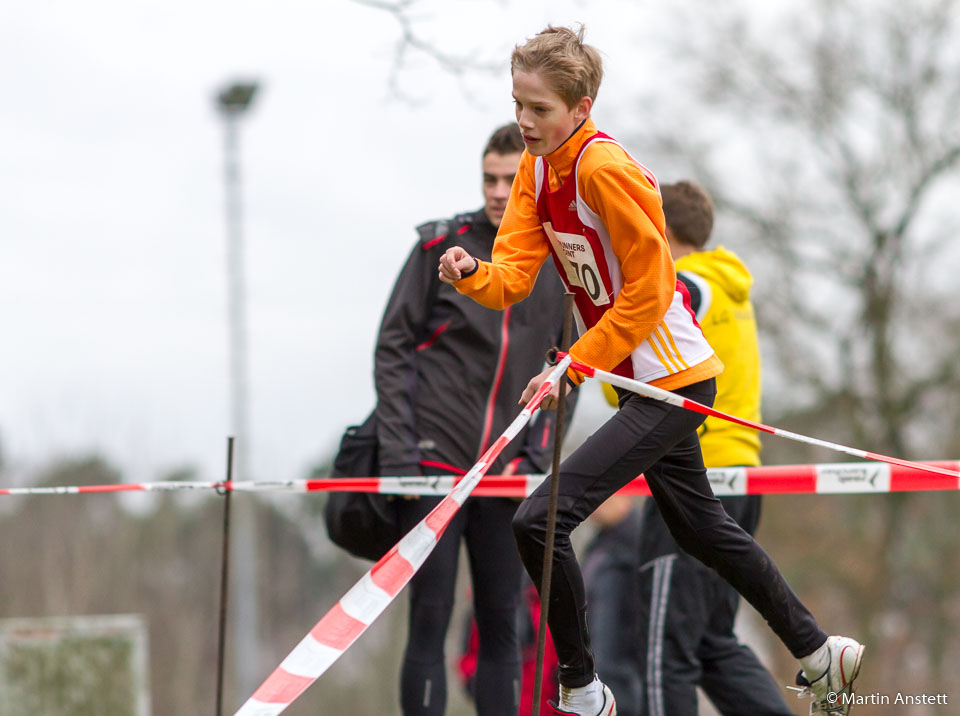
[498, 173]
[544, 118]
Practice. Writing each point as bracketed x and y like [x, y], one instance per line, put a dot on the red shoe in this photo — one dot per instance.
[609, 706]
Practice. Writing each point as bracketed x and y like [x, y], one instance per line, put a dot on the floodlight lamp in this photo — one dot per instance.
[237, 97]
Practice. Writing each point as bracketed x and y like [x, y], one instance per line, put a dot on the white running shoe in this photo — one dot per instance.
[609, 706]
[832, 691]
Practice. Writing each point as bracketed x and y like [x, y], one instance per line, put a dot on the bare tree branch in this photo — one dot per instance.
[411, 42]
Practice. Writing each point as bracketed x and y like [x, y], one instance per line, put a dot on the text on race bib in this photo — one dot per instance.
[579, 263]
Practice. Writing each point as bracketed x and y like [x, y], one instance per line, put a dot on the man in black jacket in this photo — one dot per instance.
[448, 375]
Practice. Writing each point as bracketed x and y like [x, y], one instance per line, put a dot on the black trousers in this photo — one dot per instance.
[610, 576]
[686, 638]
[483, 523]
[660, 441]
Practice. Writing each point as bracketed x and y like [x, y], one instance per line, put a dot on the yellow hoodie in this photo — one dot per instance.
[726, 316]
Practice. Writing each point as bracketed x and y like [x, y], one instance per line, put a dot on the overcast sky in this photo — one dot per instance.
[112, 236]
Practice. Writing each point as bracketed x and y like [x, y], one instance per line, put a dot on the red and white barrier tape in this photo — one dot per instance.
[825, 479]
[360, 606]
[343, 624]
[367, 599]
[665, 396]
[169, 486]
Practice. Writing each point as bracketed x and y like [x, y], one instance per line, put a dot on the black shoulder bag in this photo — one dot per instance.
[363, 523]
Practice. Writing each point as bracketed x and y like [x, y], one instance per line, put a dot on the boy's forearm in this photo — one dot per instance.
[510, 277]
[518, 252]
[488, 286]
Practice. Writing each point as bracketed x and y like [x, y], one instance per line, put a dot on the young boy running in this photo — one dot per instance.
[579, 197]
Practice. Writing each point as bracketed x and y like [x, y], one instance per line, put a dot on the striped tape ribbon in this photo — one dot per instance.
[665, 396]
[369, 597]
[825, 479]
[360, 606]
[343, 624]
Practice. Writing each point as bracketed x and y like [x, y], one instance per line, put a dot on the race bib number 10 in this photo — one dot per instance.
[579, 263]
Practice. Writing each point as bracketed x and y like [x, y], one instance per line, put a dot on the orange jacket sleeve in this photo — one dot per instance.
[519, 251]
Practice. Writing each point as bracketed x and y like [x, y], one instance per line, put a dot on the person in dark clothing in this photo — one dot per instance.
[529, 614]
[609, 577]
[447, 375]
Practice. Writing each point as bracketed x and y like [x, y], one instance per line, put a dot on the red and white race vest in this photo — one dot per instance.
[580, 245]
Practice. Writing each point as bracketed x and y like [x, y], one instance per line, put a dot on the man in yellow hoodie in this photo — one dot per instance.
[687, 611]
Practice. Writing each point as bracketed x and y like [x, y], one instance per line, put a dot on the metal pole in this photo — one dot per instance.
[552, 513]
[224, 577]
[236, 293]
[246, 608]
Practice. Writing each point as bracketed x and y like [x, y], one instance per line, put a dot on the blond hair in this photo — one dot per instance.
[572, 68]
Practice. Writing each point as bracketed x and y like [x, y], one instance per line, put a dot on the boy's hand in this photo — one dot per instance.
[551, 399]
[454, 263]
